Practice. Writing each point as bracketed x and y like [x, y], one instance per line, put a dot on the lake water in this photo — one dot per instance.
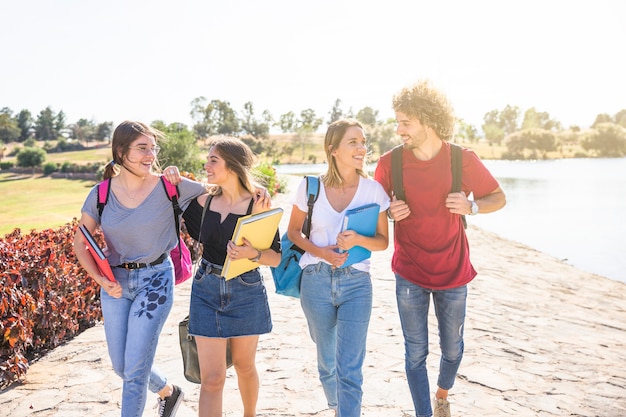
[572, 209]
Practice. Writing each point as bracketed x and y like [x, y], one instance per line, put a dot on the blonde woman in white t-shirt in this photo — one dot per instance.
[337, 300]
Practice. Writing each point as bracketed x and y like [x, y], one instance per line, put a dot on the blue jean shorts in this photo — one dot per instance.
[224, 309]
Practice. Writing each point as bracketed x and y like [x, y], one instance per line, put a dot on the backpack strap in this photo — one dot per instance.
[313, 190]
[396, 173]
[456, 160]
[104, 188]
[172, 194]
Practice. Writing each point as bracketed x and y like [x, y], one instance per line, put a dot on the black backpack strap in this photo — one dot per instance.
[456, 160]
[313, 191]
[396, 173]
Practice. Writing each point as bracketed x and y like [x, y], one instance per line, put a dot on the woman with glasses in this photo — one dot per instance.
[139, 232]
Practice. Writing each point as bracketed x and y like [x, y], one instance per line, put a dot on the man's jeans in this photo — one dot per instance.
[413, 305]
[132, 325]
[337, 304]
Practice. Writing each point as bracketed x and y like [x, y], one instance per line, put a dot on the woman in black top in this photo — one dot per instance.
[236, 309]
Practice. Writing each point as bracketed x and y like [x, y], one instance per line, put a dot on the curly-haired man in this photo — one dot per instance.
[431, 255]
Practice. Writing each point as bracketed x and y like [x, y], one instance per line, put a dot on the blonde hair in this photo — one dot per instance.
[334, 134]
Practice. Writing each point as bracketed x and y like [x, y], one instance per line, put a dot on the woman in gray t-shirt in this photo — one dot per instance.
[139, 230]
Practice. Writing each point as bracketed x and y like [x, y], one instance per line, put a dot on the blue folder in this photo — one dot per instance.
[362, 220]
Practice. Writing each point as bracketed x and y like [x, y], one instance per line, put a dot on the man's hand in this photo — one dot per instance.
[458, 203]
[398, 209]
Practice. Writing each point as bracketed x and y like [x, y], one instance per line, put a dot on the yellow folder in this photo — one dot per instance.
[259, 229]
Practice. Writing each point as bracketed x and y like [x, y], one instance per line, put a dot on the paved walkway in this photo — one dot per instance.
[542, 339]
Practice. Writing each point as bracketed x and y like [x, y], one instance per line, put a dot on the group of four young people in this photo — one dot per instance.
[431, 257]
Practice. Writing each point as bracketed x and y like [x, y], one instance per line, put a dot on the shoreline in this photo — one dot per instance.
[541, 338]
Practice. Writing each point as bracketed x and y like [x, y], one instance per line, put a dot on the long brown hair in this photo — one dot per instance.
[125, 134]
[239, 158]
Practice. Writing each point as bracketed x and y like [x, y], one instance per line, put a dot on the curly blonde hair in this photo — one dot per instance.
[430, 106]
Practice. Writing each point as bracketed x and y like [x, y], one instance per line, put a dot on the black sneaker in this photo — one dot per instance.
[168, 406]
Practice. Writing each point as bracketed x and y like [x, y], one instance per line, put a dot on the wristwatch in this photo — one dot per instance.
[257, 257]
[474, 209]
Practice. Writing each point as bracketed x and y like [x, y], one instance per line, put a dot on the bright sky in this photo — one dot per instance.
[148, 59]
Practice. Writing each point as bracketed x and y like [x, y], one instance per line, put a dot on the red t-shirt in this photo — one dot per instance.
[431, 248]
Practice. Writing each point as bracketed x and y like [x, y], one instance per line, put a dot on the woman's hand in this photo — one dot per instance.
[331, 255]
[245, 251]
[347, 239]
[114, 289]
[262, 199]
[172, 175]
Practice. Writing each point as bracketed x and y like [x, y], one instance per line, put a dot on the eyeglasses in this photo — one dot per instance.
[147, 151]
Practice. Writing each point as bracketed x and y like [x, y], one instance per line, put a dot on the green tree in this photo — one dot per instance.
[306, 125]
[179, 147]
[368, 116]
[539, 120]
[103, 131]
[606, 139]
[253, 126]
[25, 124]
[9, 131]
[536, 141]
[602, 118]
[620, 118]
[216, 117]
[30, 157]
[83, 130]
[466, 132]
[287, 122]
[45, 125]
[335, 113]
[506, 120]
[493, 133]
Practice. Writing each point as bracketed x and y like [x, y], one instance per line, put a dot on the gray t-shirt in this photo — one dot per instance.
[144, 233]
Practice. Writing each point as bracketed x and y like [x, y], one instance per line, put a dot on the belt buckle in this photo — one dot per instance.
[131, 265]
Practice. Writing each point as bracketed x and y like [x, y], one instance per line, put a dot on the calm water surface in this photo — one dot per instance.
[572, 209]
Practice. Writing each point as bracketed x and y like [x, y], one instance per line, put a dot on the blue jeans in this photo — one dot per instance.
[337, 304]
[413, 305]
[132, 325]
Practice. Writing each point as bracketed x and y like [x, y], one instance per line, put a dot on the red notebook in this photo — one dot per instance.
[97, 254]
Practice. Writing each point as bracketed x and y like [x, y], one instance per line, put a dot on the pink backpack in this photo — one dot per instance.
[181, 257]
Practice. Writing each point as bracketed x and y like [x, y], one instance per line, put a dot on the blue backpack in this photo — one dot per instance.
[287, 274]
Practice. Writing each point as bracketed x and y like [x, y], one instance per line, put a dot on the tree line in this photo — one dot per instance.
[526, 134]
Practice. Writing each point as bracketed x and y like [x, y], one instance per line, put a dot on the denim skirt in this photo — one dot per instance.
[224, 309]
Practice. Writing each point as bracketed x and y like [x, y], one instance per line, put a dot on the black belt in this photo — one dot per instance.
[212, 268]
[139, 265]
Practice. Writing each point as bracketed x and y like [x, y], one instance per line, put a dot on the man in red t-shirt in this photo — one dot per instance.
[431, 255]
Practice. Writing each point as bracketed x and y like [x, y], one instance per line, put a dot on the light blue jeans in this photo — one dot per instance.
[413, 305]
[132, 325]
[337, 304]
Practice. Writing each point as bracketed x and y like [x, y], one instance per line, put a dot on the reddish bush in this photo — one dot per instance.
[46, 297]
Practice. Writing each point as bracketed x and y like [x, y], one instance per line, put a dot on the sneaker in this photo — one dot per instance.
[168, 406]
[441, 408]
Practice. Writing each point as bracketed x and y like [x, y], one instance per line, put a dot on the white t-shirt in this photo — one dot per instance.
[327, 222]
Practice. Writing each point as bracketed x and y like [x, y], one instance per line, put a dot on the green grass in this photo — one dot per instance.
[35, 202]
[81, 157]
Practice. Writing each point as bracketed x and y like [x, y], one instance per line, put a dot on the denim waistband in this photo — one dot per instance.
[211, 268]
